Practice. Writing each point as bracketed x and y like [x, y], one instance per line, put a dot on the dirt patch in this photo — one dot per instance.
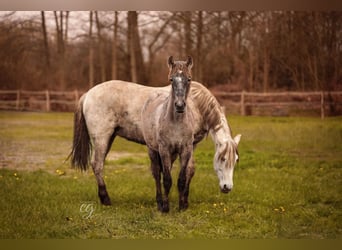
[112, 155]
[25, 157]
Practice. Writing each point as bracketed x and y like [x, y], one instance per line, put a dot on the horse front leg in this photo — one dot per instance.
[167, 179]
[185, 175]
[156, 172]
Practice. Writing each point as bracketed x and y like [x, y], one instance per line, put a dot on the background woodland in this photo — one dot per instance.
[249, 50]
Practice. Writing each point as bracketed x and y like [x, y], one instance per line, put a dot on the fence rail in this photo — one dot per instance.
[244, 103]
[282, 103]
[39, 100]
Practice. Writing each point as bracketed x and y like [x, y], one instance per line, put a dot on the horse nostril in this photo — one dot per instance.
[180, 106]
[225, 189]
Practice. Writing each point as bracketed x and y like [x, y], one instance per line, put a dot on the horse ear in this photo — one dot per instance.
[237, 139]
[189, 62]
[170, 62]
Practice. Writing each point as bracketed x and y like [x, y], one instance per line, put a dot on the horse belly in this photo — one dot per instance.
[131, 133]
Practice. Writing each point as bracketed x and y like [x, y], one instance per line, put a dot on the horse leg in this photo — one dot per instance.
[100, 152]
[156, 172]
[186, 173]
[167, 179]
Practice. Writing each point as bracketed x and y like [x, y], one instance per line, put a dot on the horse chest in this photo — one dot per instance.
[176, 135]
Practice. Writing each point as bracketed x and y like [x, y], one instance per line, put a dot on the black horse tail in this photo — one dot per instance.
[81, 147]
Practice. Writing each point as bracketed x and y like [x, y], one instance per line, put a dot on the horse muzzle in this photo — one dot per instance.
[180, 107]
[225, 189]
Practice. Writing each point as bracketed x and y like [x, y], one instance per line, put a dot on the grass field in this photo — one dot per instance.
[287, 184]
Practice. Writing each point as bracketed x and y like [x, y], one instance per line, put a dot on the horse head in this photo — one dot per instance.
[180, 78]
[225, 160]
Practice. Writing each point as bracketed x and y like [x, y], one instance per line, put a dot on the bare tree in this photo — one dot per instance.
[114, 47]
[160, 38]
[188, 32]
[256, 50]
[101, 47]
[198, 55]
[91, 50]
[46, 44]
[136, 59]
[61, 31]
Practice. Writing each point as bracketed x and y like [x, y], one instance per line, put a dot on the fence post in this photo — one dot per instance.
[76, 97]
[242, 103]
[17, 103]
[322, 105]
[47, 94]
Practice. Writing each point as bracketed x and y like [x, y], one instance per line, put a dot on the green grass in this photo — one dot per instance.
[287, 184]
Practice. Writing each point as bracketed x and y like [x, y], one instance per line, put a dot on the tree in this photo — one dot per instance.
[61, 37]
[45, 39]
[101, 47]
[159, 38]
[135, 52]
[188, 32]
[199, 47]
[114, 46]
[254, 50]
[91, 50]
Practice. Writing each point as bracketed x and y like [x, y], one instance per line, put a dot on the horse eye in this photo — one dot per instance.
[223, 159]
[189, 79]
[171, 80]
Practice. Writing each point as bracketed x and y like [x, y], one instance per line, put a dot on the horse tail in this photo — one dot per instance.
[81, 147]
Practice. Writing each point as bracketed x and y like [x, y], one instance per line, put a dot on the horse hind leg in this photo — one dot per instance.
[102, 147]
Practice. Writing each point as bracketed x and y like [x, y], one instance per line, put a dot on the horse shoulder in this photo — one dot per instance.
[150, 122]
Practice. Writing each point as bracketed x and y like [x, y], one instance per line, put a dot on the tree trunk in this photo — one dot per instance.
[266, 70]
[60, 49]
[91, 51]
[218, 28]
[66, 26]
[187, 30]
[114, 46]
[251, 69]
[46, 44]
[101, 49]
[198, 64]
[131, 51]
[136, 59]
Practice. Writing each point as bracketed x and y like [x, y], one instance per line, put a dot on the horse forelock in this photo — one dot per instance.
[230, 149]
[179, 67]
[207, 105]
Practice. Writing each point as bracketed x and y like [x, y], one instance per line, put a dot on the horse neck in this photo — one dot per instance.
[221, 132]
[170, 111]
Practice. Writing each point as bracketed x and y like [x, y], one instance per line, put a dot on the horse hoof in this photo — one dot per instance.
[106, 201]
[165, 208]
[183, 207]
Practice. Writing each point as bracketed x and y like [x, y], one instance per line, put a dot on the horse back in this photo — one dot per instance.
[115, 106]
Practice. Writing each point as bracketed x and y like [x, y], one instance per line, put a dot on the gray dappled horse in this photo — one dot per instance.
[114, 108]
[168, 130]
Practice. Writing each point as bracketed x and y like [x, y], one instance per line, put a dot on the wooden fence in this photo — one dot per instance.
[243, 103]
[282, 103]
[39, 100]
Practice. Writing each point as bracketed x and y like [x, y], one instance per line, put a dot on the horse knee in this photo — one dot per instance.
[167, 181]
[181, 181]
[155, 171]
[191, 172]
